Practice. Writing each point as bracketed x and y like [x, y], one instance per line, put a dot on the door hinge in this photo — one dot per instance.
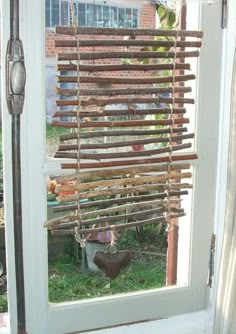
[224, 17]
[211, 260]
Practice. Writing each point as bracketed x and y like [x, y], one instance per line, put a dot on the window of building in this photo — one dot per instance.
[44, 317]
[58, 12]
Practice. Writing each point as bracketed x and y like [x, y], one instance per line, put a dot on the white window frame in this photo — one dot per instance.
[109, 311]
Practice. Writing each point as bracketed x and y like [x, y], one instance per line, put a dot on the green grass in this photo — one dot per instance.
[146, 271]
[55, 132]
[3, 304]
[66, 283]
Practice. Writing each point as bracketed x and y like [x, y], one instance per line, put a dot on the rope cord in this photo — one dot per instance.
[77, 109]
[171, 117]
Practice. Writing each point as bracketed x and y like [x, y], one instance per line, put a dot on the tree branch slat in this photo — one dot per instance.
[123, 100]
[126, 32]
[129, 80]
[113, 163]
[157, 220]
[130, 132]
[122, 67]
[130, 123]
[118, 155]
[122, 200]
[126, 55]
[113, 42]
[111, 172]
[124, 191]
[109, 218]
[122, 91]
[119, 112]
[122, 182]
[145, 141]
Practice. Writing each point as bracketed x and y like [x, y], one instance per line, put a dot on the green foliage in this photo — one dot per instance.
[167, 16]
[3, 303]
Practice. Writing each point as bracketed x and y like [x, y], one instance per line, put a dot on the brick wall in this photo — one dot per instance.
[147, 19]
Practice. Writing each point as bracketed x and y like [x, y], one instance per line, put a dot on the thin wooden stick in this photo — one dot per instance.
[122, 182]
[122, 91]
[148, 253]
[119, 112]
[126, 80]
[118, 155]
[111, 124]
[117, 201]
[63, 221]
[92, 134]
[123, 100]
[129, 216]
[128, 162]
[126, 225]
[126, 55]
[133, 206]
[123, 191]
[145, 141]
[118, 227]
[111, 172]
[122, 67]
[126, 32]
[60, 220]
[113, 42]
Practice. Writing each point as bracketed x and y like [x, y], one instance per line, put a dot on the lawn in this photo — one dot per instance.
[147, 270]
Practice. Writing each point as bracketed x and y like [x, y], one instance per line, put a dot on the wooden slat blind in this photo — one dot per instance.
[128, 128]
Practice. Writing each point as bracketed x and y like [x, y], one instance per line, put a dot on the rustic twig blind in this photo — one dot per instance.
[128, 126]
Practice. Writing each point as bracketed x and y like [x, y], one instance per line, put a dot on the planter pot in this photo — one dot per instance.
[90, 249]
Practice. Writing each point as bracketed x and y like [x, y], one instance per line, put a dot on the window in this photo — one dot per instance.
[73, 317]
[90, 14]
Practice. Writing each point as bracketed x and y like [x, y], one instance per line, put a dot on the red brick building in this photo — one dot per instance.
[90, 13]
[98, 13]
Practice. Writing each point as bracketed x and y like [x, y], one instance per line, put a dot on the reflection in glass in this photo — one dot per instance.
[55, 13]
[64, 13]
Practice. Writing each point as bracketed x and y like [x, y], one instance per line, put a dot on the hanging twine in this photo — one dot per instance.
[113, 236]
[171, 117]
[78, 238]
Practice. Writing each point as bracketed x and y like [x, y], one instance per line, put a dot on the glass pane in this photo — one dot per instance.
[90, 15]
[128, 18]
[106, 16]
[64, 13]
[98, 16]
[121, 17]
[73, 275]
[135, 18]
[55, 12]
[114, 17]
[82, 15]
[48, 23]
